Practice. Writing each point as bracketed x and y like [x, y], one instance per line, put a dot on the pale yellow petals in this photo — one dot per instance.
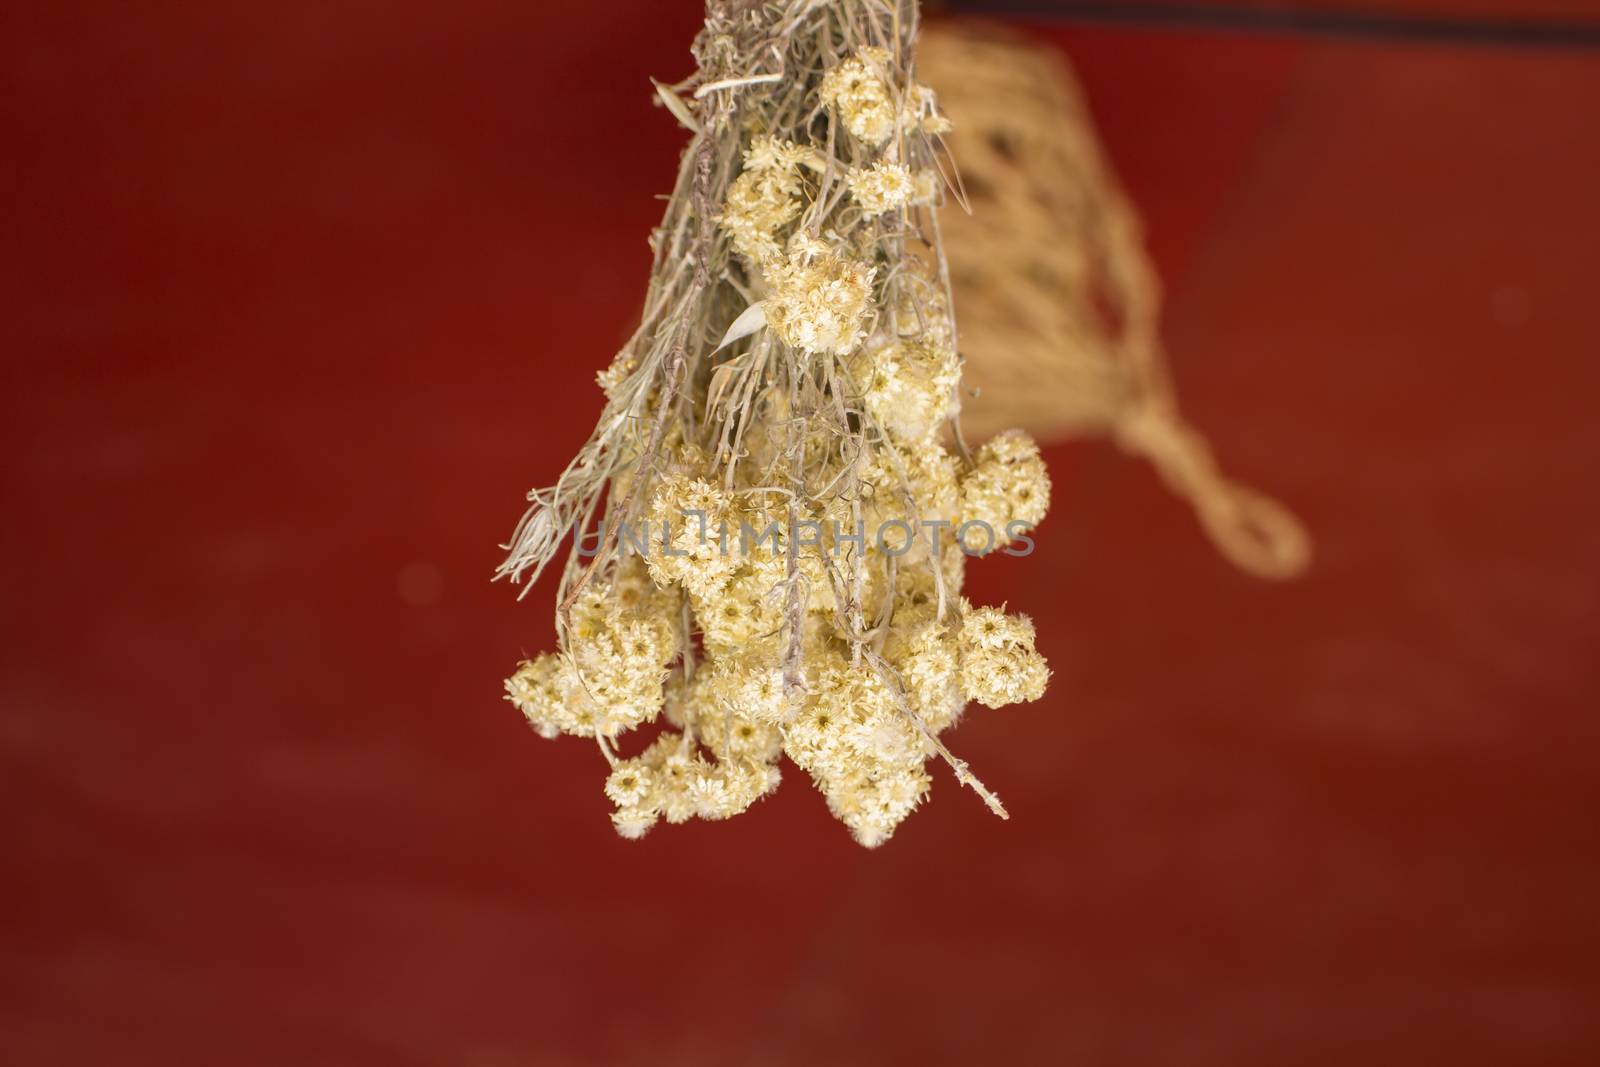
[819, 301]
[881, 188]
[859, 92]
[999, 664]
[1007, 485]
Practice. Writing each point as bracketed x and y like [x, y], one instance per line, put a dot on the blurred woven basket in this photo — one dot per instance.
[1057, 301]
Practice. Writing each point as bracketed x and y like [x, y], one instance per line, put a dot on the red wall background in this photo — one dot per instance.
[297, 299]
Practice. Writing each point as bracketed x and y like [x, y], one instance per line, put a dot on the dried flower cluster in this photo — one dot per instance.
[776, 508]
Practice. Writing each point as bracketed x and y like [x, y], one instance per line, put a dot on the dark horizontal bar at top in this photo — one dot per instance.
[1379, 25]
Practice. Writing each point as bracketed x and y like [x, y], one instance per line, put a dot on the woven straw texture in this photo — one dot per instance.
[1057, 300]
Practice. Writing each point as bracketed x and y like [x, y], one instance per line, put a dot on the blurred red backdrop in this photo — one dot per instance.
[298, 299]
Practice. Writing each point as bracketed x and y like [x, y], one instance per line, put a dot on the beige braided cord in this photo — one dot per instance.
[1059, 305]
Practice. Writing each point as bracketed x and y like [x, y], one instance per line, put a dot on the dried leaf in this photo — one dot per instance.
[749, 321]
[674, 103]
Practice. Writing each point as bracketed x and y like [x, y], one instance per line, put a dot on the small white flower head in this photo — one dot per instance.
[667, 751]
[620, 642]
[766, 197]
[633, 823]
[759, 204]
[859, 92]
[690, 786]
[678, 801]
[629, 784]
[910, 386]
[708, 789]
[746, 611]
[927, 656]
[814, 738]
[550, 692]
[999, 664]
[733, 737]
[1007, 483]
[767, 153]
[804, 248]
[872, 803]
[748, 781]
[532, 691]
[738, 694]
[851, 723]
[928, 472]
[991, 629]
[685, 527]
[881, 188]
[818, 302]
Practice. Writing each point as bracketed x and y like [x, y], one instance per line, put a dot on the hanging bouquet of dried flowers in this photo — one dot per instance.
[772, 517]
